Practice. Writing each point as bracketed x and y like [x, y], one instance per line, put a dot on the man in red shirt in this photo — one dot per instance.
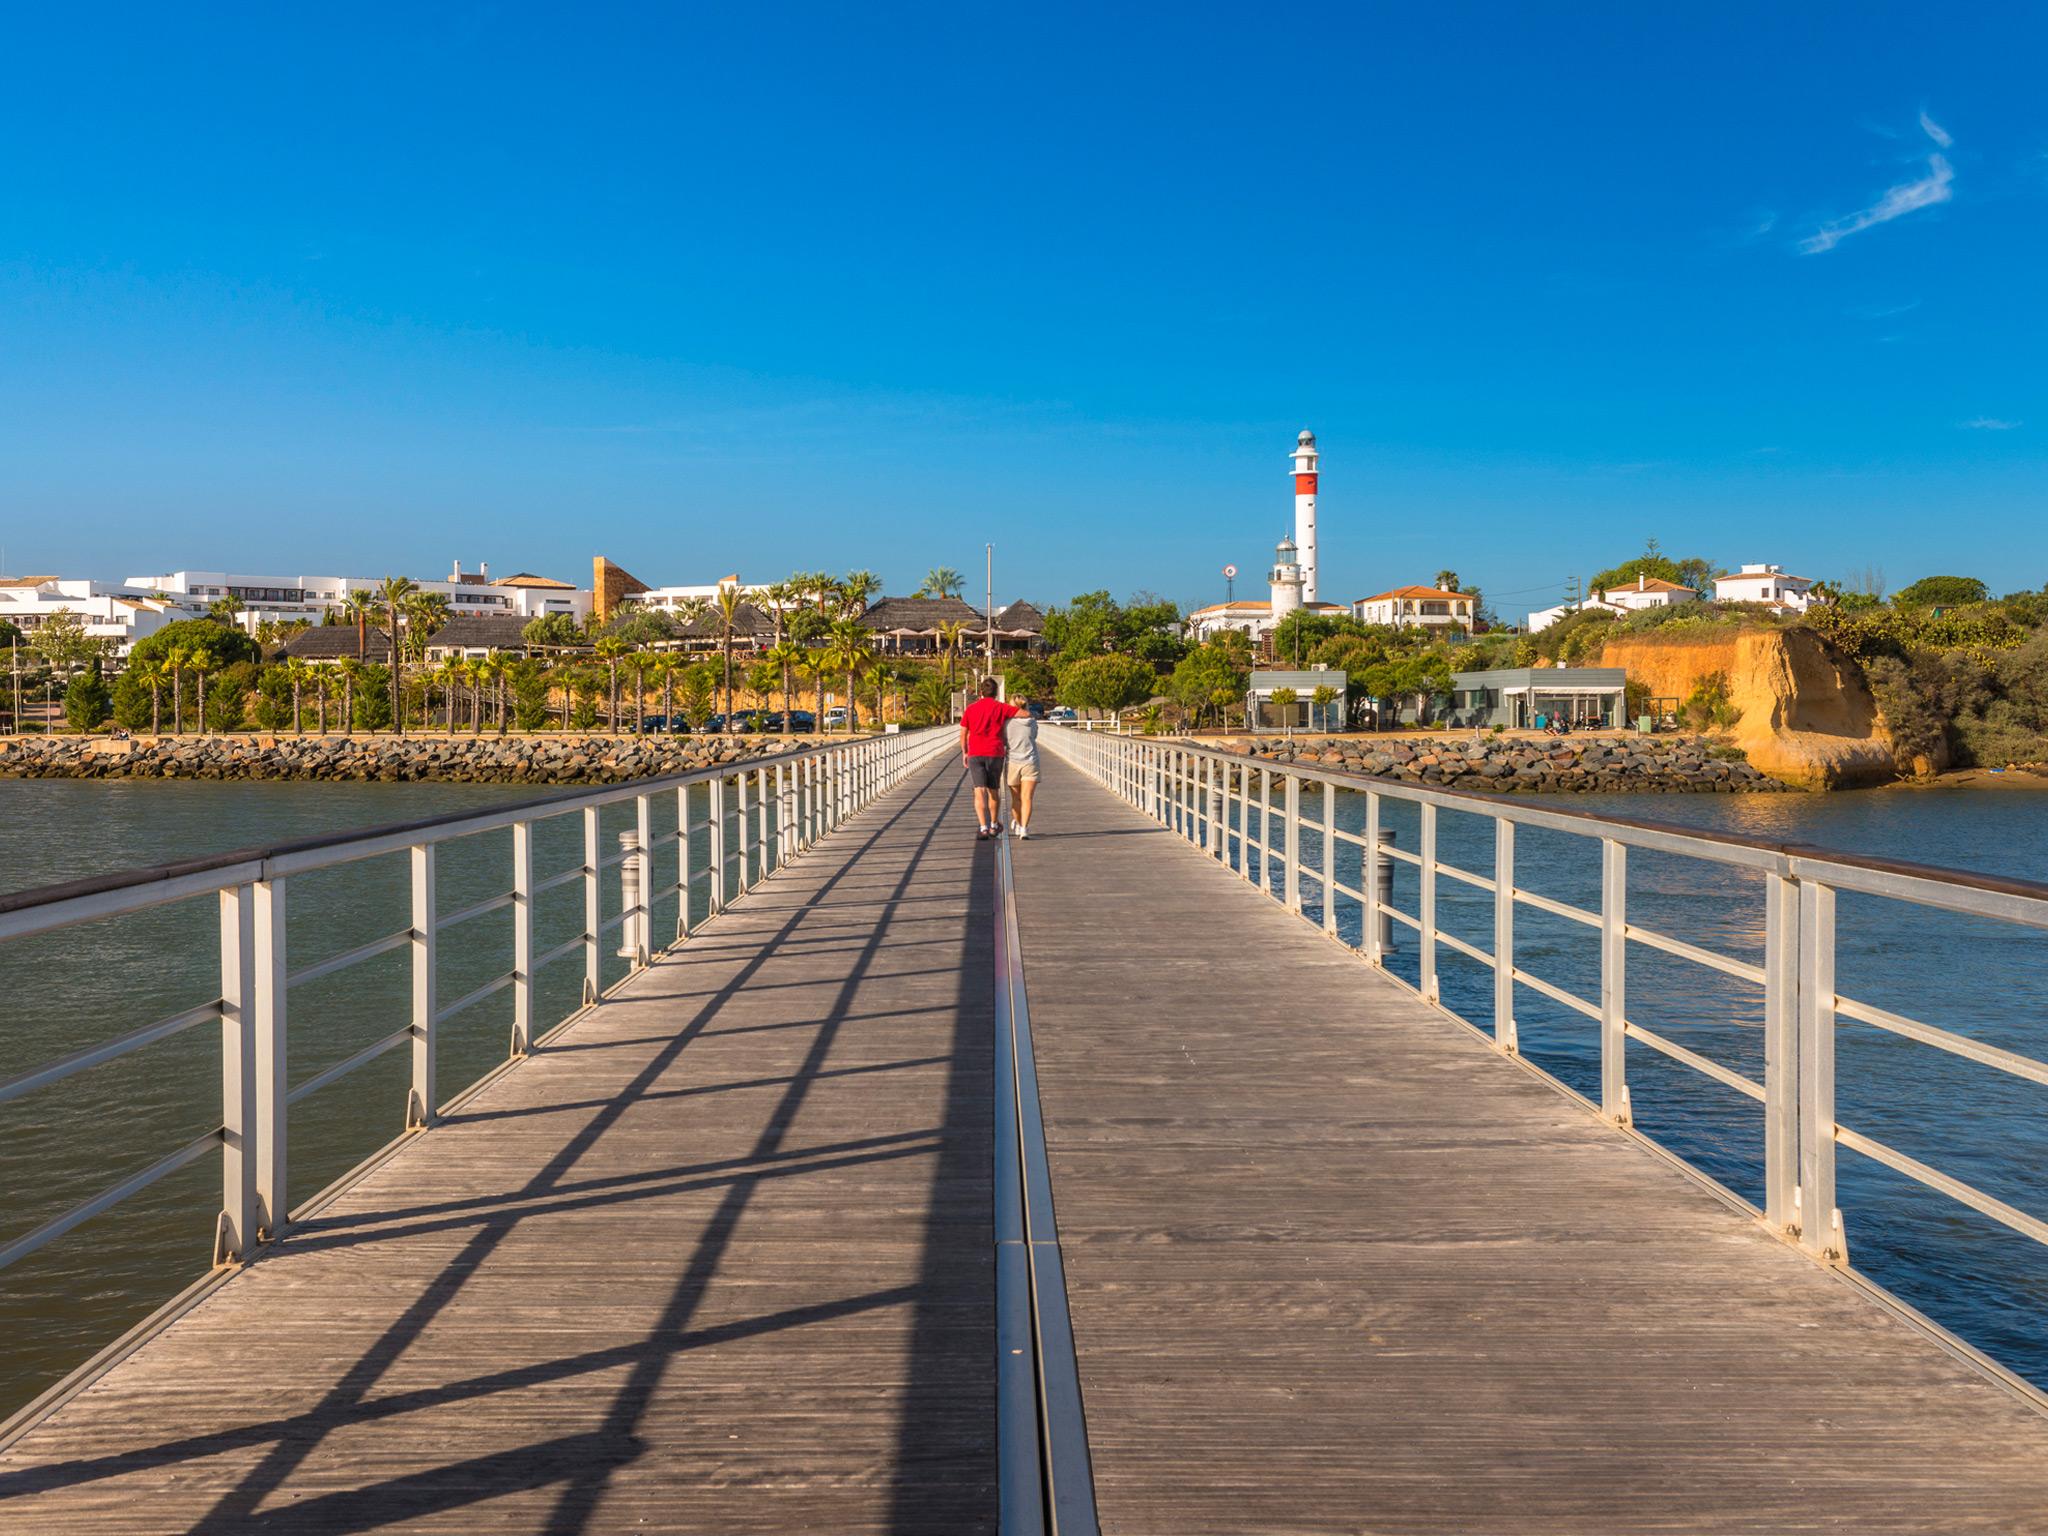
[981, 748]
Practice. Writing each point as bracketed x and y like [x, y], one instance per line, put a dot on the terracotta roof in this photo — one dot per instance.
[337, 642]
[528, 579]
[24, 581]
[1414, 592]
[920, 615]
[1764, 576]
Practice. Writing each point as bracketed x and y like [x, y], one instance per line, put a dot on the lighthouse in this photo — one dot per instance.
[1305, 510]
[1286, 579]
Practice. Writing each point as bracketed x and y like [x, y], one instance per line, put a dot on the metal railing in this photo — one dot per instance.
[762, 813]
[1045, 1481]
[1219, 800]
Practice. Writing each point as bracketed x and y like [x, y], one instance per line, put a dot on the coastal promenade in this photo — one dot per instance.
[725, 1255]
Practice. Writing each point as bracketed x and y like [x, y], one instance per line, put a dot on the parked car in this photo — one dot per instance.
[835, 718]
[1063, 713]
[802, 721]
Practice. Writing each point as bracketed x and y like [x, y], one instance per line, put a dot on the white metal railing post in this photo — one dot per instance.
[1266, 829]
[593, 909]
[764, 842]
[682, 862]
[1219, 811]
[272, 981]
[1428, 903]
[1504, 935]
[1290, 795]
[420, 1100]
[1329, 858]
[1614, 981]
[1369, 872]
[1781, 1052]
[643, 929]
[740, 810]
[1820, 1222]
[714, 825]
[234, 1231]
[785, 817]
[522, 937]
[630, 898]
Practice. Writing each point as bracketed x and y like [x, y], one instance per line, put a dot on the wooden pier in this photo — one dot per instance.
[719, 1259]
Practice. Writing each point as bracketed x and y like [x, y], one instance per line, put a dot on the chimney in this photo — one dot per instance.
[1642, 581]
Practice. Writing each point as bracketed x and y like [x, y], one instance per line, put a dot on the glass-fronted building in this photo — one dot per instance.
[1528, 698]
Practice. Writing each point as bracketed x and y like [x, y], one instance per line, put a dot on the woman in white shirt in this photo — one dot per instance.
[1020, 739]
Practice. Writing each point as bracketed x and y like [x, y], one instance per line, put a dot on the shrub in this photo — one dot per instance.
[86, 701]
[1708, 705]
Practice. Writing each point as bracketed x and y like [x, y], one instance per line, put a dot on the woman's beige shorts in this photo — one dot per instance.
[1019, 773]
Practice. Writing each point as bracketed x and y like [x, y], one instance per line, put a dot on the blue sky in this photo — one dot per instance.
[705, 288]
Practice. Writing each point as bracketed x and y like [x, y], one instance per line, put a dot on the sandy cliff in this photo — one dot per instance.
[1807, 715]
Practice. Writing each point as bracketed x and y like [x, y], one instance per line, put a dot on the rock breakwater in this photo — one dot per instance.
[389, 759]
[1510, 765]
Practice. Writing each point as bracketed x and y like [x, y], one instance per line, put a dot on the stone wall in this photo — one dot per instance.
[1513, 764]
[451, 759]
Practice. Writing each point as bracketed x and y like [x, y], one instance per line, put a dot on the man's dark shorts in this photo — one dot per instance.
[985, 773]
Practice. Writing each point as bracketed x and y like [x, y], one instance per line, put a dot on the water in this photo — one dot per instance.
[62, 1144]
[58, 992]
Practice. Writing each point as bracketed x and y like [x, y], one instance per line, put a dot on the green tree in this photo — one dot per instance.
[1029, 677]
[529, 681]
[373, 698]
[1107, 682]
[551, 631]
[229, 645]
[226, 699]
[87, 702]
[1206, 673]
[135, 701]
[941, 581]
[1942, 592]
[1323, 697]
[272, 710]
[1282, 702]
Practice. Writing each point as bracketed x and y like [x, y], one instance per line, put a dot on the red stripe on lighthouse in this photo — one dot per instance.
[1304, 485]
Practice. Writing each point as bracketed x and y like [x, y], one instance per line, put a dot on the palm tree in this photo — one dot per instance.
[178, 658]
[787, 656]
[497, 667]
[449, 676]
[609, 649]
[857, 591]
[1447, 581]
[155, 673]
[661, 667]
[824, 592]
[351, 674]
[295, 673]
[201, 660]
[931, 700]
[817, 665]
[320, 696]
[728, 614]
[222, 610]
[476, 675]
[952, 635]
[356, 607]
[394, 594]
[852, 653]
[638, 662]
[942, 581]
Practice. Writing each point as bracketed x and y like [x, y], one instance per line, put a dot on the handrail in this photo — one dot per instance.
[1206, 796]
[1045, 1479]
[815, 789]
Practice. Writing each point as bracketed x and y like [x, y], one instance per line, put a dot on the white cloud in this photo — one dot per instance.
[1934, 130]
[1989, 424]
[1907, 197]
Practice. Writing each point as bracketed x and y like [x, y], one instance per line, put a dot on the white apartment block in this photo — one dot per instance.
[283, 598]
[1766, 584]
[121, 614]
[670, 599]
[1633, 597]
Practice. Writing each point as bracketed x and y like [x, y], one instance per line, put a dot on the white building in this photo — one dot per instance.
[670, 599]
[119, 614]
[1259, 619]
[283, 598]
[1766, 584]
[1418, 608]
[1643, 592]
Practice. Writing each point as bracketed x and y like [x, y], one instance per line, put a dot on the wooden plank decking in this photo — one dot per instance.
[1336, 1267]
[720, 1261]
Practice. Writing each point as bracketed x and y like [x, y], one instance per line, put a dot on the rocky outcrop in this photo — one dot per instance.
[1521, 765]
[447, 759]
[1807, 715]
